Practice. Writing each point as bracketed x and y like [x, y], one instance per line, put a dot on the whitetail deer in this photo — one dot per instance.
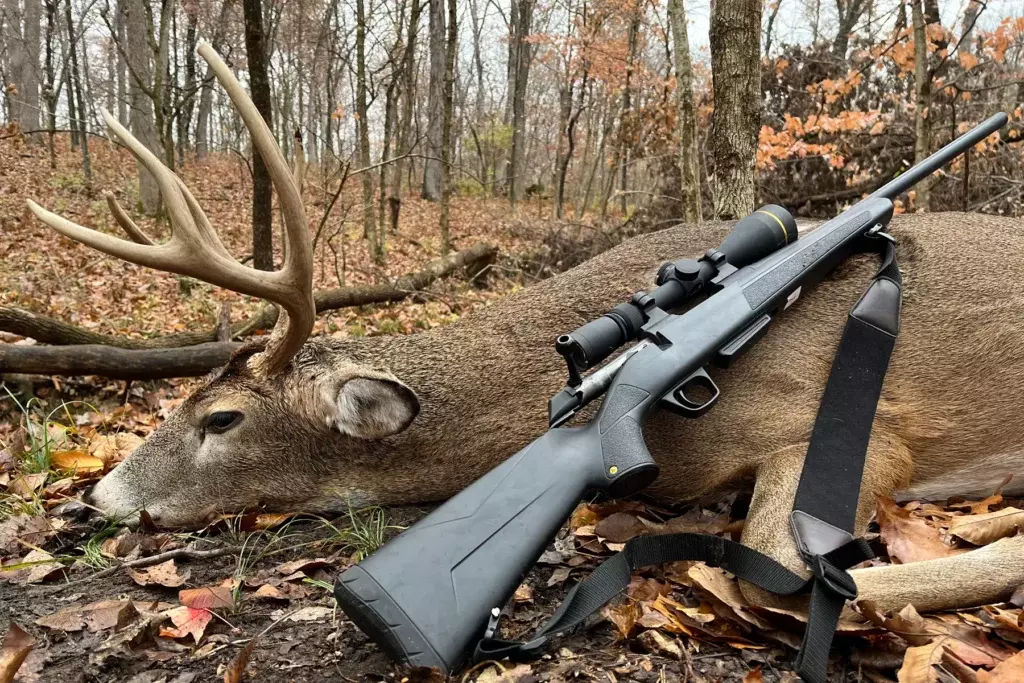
[321, 424]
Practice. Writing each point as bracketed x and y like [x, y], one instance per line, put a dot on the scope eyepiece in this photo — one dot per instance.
[758, 235]
[592, 343]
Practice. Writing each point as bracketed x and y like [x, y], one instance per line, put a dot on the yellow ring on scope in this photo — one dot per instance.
[785, 233]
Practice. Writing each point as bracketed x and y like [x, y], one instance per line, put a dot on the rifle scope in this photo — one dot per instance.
[750, 240]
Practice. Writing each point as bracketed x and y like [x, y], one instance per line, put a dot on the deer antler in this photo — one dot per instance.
[194, 248]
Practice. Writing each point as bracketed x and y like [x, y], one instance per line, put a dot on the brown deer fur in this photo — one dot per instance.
[950, 420]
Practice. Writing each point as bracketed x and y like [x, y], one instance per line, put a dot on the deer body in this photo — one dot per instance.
[336, 422]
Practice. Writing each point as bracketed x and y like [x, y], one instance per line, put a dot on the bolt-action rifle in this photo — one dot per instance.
[427, 595]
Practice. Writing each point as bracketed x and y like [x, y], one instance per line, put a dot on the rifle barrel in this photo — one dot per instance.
[919, 172]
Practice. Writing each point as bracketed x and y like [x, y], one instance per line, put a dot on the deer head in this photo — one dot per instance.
[230, 431]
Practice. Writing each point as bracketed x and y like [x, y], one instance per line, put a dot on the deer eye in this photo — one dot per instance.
[221, 421]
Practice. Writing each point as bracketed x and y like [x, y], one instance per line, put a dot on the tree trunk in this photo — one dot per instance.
[446, 133]
[849, 12]
[259, 85]
[363, 128]
[122, 66]
[52, 91]
[432, 172]
[206, 97]
[922, 100]
[76, 81]
[408, 98]
[30, 73]
[736, 77]
[15, 43]
[686, 121]
[520, 69]
[141, 114]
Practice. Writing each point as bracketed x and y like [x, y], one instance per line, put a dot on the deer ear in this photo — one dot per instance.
[374, 407]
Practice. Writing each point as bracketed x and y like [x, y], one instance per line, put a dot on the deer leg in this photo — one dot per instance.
[980, 577]
[889, 467]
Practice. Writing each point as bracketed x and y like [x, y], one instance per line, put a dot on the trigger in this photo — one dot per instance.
[695, 404]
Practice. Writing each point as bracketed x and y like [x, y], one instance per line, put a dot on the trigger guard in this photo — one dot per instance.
[677, 402]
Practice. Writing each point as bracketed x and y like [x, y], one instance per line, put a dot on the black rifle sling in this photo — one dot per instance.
[824, 511]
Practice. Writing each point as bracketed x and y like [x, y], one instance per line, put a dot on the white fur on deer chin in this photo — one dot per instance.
[979, 479]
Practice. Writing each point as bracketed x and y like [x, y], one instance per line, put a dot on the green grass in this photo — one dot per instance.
[366, 531]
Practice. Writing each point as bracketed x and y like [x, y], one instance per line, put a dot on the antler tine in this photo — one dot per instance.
[293, 328]
[126, 223]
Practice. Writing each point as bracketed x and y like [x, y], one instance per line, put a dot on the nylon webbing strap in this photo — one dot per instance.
[824, 509]
[826, 498]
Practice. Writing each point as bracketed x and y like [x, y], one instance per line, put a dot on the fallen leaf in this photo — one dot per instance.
[113, 448]
[270, 593]
[919, 662]
[33, 530]
[620, 527]
[657, 643]
[1008, 671]
[164, 574]
[36, 567]
[985, 528]
[270, 520]
[27, 484]
[188, 621]
[908, 538]
[623, 616]
[753, 676]
[207, 597]
[304, 566]
[96, 616]
[76, 461]
[513, 675]
[524, 593]
[13, 650]
[558, 576]
[982, 506]
[236, 670]
[313, 613]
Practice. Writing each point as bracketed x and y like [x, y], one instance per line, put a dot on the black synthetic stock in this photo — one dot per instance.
[425, 596]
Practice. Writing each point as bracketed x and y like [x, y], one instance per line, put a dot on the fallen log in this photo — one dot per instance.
[115, 363]
[47, 330]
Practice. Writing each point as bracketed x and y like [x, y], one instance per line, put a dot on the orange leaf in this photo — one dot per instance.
[13, 651]
[76, 461]
[207, 597]
[189, 622]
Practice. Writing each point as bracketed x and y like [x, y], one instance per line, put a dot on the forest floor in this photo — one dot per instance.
[249, 597]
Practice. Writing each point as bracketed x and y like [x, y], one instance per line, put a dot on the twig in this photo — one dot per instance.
[176, 554]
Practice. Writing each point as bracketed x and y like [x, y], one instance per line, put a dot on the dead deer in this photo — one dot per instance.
[321, 424]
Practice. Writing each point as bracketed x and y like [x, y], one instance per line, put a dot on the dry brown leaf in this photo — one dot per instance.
[646, 590]
[96, 616]
[652, 618]
[188, 621]
[164, 574]
[269, 592]
[33, 530]
[236, 670]
[76, 461]
[657, 643]
[624, 616]
[494, 675]
[270, 520]
[1008, 671]
[981, 506]
[207, 597]
[1014, 620]
[113, 448]
[754, 675]
[988, 527]
[311, 613]
[909, 538]
[304, 566]
[36, 567]
[620, 527]
[559, 576]
[721, 586]
[13, 650]
[27, 485]
[919, 662]
[524, 593]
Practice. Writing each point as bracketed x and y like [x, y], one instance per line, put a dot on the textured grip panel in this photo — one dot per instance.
[377, 615]
[627, 461]
[775, 280]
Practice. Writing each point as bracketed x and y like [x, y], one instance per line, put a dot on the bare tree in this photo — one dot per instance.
[446, 137]
[736, 77]
[262, 187]
[30, 74]
[432, 172]
[922, 98]
[369, 226]
[520, 56]
[686, 113]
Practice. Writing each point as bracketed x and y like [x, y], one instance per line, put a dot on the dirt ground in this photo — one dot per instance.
[321, 644]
